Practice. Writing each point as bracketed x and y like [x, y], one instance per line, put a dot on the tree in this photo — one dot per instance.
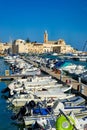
[27, 40]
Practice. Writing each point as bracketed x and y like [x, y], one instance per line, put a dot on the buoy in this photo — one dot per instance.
[63, 124]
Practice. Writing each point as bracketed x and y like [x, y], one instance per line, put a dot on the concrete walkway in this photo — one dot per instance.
[64, 79]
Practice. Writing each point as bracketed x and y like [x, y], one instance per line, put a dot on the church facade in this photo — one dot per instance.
[21, 46]
[56, 46]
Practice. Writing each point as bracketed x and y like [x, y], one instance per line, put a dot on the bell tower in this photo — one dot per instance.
[45, 37]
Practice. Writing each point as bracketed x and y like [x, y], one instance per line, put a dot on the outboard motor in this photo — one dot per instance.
[20, 114]
[29, 107]
[25, 110]
[37, 126]
[32, 104]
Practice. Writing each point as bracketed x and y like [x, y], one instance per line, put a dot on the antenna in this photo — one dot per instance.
[10, 39]
[84, 47]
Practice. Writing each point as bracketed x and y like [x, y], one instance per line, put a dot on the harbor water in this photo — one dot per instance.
[5, 111]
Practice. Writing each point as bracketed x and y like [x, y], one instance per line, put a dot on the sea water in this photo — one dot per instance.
[5, 110]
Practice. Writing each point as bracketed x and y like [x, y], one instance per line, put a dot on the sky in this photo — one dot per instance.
[63, 19]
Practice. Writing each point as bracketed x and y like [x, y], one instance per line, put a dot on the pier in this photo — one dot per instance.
[76, 86]
[64, 79]
[12, 77]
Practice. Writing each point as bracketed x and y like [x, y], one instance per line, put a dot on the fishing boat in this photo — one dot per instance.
[70, 122]
[21, 83]
[83, 77]
[29, 72]
[46, 119]
[52, 93]
[33, 88]
[74, 101]
[83, 58]
[60, 122]
[43, 109]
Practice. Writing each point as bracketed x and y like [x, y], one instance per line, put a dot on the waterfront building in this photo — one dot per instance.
[34, 47]
[1, 48]
[19, 46]
[5, 48]
[22, 46]
[58, 46]
[50, 46]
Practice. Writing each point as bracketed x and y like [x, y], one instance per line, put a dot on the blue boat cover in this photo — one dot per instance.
[41, 111]
[58, 64]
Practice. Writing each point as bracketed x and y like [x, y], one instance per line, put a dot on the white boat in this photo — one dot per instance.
[68, 67]
[49, 121]
[59, 119]
[55, 54]
[74, 101]
[62, 122]
[20, 100]
[32, 82]
[83, 58]
[77, 70]
[38, 87]
[23, 64]
[71, 122]
[10, 59]
[7, 58]
[29, 72]
[51, 93]
[46, 122]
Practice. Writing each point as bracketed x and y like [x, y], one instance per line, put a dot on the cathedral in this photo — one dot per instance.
[21, 46]
[58, 46]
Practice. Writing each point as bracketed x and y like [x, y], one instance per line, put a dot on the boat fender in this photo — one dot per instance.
[63, 124]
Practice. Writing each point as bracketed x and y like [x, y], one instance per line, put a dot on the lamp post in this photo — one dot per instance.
[61, 75]
[81, 86]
